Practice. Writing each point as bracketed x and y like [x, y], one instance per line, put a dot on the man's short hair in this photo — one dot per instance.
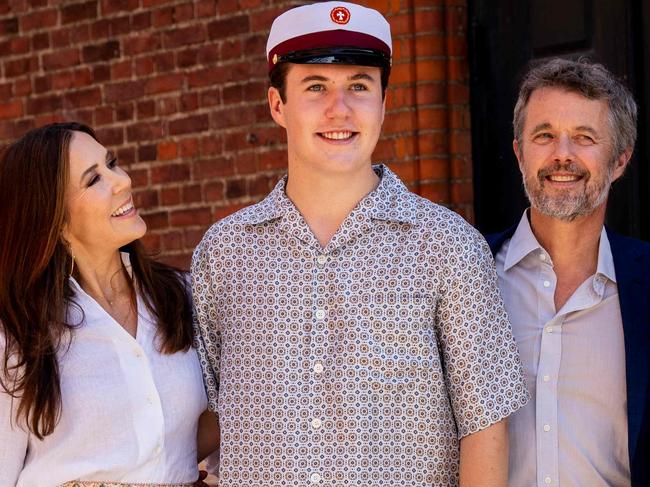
[591, 80]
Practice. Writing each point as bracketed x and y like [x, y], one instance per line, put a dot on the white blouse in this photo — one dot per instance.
[129, 413]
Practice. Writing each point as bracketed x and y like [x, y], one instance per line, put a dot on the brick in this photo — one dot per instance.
[23, 86]
[40, 41]
[101, 52]
[164, 83]
[146, 109]
[151, 241]
[162, 17]
[184, 36]
[124, 112]
[100, 29]
[166, 106]
[167, 150]
[139, 44]
[187, 57]
[170, 173]
[6, 90]
[103, 116]
[437, 169]
[191, 216]
[164, 62]
[19, 45]
[37, 20]
[206, 9]
[78, 12]
[126, 155]
[13, 109]
[144, 66]
[20, 66]
[231, 26]
[66, 80]
[214, 191]
[430, 45]
[231, 117]
[432, 20]
[210, 53]
[183, 12]
[191, 193]
[235, 188]
[170, 196]
[192, 124]
[438, 192]
[189, 147]
[192, 237]
[189, 102]
[127, 90]
[144, 131]
[172, 240]
[210, 97]
[9, 26]
[121, 70]
[157, 220]
[147, 153]
[141, 21]
[146, 199]
[111, 135]
[213, 168]
[113, 6]
[119, 26]
[227, 6]
[61, 59]
[101, 73]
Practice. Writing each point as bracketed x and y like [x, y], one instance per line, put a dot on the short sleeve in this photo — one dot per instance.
[207, 331]
[482, 368]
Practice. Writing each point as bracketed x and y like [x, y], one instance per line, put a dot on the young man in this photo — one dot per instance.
[576, 293]
[351, 333]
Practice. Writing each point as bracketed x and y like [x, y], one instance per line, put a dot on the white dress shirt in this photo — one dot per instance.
[574, 432]
[129, 412]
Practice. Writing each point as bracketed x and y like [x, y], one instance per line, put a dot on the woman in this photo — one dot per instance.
[98, 379]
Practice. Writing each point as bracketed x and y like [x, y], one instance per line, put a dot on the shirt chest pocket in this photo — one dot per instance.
[397, 342]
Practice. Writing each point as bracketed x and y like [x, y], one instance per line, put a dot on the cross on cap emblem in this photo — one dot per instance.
[340, 15]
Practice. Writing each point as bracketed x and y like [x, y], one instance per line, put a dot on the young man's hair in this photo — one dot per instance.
[591, 80]
[278, 78]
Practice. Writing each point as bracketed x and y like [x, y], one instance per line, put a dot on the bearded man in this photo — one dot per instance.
[576, 293]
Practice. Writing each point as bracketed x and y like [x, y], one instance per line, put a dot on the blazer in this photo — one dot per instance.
[632, 266]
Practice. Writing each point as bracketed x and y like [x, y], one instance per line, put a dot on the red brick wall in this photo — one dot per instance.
[177, 89]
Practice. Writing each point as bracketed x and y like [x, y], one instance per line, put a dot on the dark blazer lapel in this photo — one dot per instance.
[632, 265]
[496, 240]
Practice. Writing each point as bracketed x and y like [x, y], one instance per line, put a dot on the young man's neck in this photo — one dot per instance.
[573, 247]
[326, 199]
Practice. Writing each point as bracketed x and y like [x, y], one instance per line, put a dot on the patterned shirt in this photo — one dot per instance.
[358, 364]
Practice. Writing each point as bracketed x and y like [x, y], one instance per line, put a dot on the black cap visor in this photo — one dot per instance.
[338, 55]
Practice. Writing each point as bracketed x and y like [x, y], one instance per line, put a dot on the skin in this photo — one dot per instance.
[326, 99]
[98, 187]
[567, 162]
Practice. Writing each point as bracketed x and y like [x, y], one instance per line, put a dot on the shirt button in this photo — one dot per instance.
[547, 427]
[318, 368]
[546, 378]
[547, 283]
[315, 478]
[542, 256]
[320, 314]
[316, 423]
[549, 329]
[321, 259]
[547, 480]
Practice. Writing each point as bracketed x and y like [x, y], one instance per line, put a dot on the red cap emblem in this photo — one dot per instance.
[340, 15]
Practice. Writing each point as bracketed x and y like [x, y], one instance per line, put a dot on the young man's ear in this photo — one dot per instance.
[276, 105]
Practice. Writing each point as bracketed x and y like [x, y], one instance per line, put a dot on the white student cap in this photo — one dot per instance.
[330, 33]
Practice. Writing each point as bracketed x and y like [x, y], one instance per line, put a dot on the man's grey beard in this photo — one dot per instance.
[568, 206]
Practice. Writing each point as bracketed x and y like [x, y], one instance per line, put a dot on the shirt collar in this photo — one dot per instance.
[388, 201]
[523, 242]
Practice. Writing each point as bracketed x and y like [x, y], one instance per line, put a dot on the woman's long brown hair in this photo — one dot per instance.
[34, 269]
